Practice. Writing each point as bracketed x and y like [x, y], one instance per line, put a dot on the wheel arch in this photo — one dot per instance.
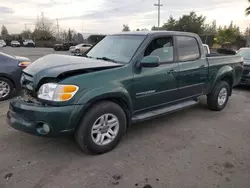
[118, 98]
[225, 73]
[6, 76]
[229, 79]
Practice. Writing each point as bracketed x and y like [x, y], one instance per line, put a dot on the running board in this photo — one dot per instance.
[163, 111]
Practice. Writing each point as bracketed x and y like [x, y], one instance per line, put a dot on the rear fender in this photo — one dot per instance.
[225, 71]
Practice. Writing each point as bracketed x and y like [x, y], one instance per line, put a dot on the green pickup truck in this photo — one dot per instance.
[126, 78]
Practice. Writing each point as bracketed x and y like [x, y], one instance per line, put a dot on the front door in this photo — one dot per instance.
[156, 87]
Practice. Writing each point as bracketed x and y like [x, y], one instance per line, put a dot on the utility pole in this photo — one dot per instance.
[57, 28]
[159, 5]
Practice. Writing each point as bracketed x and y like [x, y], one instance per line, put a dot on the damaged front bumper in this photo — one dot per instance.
[41, 120]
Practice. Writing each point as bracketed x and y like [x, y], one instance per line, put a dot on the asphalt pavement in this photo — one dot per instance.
[30, 52]
[194, 148]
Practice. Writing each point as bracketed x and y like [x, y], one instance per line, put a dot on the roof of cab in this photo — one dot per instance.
[155, 33]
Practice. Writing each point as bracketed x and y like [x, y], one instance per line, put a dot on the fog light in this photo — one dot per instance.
[46, 128]
[43, 128]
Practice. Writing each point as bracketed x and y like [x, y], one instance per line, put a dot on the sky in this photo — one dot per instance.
[108, 16]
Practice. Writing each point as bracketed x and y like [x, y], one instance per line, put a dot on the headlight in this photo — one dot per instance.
[57, 92]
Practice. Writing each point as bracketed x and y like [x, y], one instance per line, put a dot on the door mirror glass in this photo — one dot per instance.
[150, 61]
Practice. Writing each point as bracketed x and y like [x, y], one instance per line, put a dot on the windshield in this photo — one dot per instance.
[245, 53]
[120, 48]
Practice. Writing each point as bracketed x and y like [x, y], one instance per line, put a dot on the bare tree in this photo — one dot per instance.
[44, 28]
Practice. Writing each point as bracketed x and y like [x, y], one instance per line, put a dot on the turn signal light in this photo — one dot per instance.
[65, 96]
[24, 64]
[69, 88]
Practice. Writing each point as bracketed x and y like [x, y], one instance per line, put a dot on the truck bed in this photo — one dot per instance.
[234, 62]
[225, 59]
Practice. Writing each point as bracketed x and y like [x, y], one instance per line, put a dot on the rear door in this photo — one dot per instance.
[193, 66]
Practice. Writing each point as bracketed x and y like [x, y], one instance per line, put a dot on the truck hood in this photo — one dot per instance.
[55, 65]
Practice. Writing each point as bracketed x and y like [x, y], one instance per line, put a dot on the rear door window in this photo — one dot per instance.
[188, 48]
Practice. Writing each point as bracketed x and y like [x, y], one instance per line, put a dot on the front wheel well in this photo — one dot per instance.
[117, 100]
[229, 80]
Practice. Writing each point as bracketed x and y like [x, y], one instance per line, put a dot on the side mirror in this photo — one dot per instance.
[150, 61]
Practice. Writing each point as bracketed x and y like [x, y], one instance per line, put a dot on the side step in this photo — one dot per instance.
[163, 111]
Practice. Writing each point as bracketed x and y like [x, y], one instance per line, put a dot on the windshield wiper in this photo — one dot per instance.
[107, 59]
[87, 56]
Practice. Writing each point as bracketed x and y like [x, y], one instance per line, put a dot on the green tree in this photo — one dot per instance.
[170, 25]
[125, 28]
[4, 32]
[137, 29]
[192, 23]
[211, 29]
[247, 11]
[154, 28]
[189, 23]
[227, 34]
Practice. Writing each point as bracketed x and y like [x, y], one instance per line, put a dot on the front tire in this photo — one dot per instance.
[217, 100]
[101, 129]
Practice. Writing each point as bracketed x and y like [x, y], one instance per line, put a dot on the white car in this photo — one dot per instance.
[2, 43]
[72, 49]
[81, 48]
[29, 43]
[15, 43]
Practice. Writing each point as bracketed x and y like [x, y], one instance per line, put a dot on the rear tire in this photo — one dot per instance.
[94, 135]
[6, 88]
[217, 100]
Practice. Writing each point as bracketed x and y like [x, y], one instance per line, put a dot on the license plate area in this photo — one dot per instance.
[26, 97]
